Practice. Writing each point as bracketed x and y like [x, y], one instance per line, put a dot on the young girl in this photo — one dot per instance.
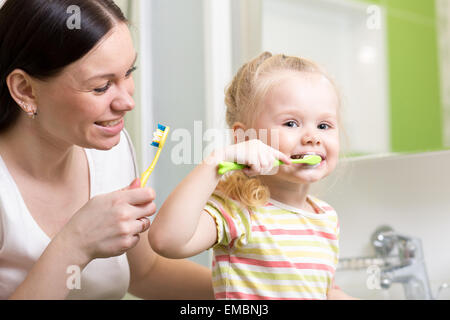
[270, 238]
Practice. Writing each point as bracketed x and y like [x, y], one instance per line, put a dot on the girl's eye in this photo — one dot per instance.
[103, 89]
[323, 126]
[291, 124]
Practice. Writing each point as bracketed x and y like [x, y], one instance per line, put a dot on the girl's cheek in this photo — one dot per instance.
[271, 137]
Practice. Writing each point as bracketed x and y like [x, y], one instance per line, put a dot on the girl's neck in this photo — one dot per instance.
[292, 194]
[36, 154]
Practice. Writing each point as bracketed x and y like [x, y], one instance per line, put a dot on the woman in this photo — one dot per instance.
[66, 163]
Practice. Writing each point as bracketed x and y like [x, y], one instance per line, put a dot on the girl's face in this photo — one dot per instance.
[85, 105]
[303, 109]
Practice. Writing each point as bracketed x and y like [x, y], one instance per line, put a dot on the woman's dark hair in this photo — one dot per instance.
[41, 38]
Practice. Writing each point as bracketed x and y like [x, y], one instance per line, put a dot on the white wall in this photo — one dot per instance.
[176, 65]
[411, 193]
[337, 34]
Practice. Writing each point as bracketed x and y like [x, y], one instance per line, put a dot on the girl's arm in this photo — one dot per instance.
[182, 228]
[173, 233]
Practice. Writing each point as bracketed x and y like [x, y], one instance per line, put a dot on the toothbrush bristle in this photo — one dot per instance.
[157, 135]
[312, 159]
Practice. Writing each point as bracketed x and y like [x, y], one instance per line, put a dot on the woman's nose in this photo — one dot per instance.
[123, 101]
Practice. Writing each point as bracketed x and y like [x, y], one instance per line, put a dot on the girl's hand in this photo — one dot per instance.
[109, 224]
[259, 157]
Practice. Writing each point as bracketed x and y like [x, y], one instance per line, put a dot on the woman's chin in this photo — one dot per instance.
[102, 143]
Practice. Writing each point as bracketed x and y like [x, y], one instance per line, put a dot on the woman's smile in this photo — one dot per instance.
[111, 128]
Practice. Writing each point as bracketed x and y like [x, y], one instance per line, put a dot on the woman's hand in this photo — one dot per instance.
[337, 294]
[109, 224]
[258, 156]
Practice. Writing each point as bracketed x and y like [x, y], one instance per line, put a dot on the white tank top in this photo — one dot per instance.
[22, 241]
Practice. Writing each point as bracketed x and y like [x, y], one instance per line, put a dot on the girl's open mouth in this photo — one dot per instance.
[302, 155]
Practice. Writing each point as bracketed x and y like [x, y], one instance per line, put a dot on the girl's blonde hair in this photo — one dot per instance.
[243, 97]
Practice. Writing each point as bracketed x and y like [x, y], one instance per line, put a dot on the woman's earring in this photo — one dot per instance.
[30, 111]
[32, 114]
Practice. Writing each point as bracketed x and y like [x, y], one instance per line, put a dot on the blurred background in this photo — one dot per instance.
[391, 61]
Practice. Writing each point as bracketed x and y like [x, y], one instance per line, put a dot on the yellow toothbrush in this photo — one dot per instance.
[159, 138]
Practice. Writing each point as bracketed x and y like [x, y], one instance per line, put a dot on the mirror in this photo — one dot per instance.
[390, 60]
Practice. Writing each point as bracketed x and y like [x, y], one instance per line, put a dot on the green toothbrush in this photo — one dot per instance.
[229, 166]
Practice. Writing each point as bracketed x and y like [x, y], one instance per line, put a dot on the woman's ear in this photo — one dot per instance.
[21, 88]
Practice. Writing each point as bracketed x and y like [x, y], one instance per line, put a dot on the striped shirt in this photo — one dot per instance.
[273, 252]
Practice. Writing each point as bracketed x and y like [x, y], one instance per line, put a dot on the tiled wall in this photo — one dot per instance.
[410, 193]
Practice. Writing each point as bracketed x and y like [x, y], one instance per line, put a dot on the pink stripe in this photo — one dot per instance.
[275, 264]
[230, 222]
[296, 232]
[245, 296]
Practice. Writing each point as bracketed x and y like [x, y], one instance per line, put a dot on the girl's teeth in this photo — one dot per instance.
[301, 156]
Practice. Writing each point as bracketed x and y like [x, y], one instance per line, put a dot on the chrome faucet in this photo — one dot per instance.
[404, 263]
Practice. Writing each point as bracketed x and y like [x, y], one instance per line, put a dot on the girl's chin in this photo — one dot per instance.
[303, 176]
[305, 179]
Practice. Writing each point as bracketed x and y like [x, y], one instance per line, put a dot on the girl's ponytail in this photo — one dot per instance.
[251, 192]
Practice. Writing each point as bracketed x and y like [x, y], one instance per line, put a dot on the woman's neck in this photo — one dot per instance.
[292, 194]
[36, 153]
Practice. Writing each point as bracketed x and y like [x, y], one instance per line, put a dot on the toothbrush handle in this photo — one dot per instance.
[225, 166]
[149, 171]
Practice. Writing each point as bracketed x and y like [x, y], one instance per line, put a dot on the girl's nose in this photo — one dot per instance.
[310, 139]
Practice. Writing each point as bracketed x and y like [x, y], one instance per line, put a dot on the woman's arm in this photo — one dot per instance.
[48, 278]
[107, 225]
[155, 277]
[337, 294]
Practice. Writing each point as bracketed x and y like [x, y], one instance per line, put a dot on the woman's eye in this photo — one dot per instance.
[131, 71]
[323, 126]
[291, 124]
[103, 89]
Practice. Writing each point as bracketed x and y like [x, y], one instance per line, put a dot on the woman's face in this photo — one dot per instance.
[85, 105]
